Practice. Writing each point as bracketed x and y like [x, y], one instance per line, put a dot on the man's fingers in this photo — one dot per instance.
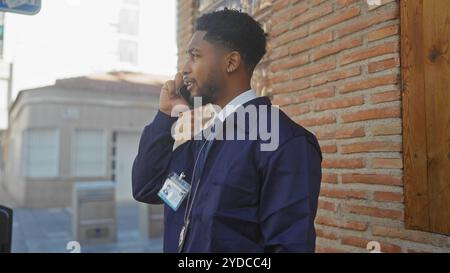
[178, 81]
[171, 88]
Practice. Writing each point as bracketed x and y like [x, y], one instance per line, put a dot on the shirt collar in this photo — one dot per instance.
[235, 103]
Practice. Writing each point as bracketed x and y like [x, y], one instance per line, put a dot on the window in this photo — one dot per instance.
[89, 153]
[128, 51]
[129, 21]
[132, 2]
[41, 157]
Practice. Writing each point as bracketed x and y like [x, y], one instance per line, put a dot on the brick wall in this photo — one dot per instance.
[333, 66]
[186, 13]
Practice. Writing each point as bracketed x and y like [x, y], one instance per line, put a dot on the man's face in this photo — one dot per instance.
[203, 71]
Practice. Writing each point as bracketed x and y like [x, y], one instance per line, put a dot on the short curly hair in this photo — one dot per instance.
[235, 31]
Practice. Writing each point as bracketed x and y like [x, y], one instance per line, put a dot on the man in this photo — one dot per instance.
[242, 198]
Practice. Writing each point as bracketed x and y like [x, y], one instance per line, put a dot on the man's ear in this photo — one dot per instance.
[233, 61]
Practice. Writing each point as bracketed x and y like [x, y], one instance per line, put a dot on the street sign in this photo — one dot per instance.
[29, 7]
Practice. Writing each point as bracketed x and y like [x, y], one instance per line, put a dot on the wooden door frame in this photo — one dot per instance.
[420, 53]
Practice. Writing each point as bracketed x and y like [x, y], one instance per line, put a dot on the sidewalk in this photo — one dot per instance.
[49, 230]
[5, 198]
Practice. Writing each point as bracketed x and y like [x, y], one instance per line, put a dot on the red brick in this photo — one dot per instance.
[329, 149]
[185, 8]
[370, 52]
[296, 110]
[327, 119]
[386, 129]
[387, 163]
[345, 3]
[354, 241]
[326, 234]
[368, 22]
[289, 12]
[372, 146]
[297, 10]
[385, 96]
[339, 103]
[383, 65]
[343, 163]
[279, 5]
[411, 250]
[341, 223]
[383, 196]
[337, 47]
[329, 249]
[378, 113]
[283, 99]
[185, 19]
[305, 44]
[314, 3]
[411, 235]
[326, 205]
[368, 83]
[280, 52]
[342, 193]
[279, 78]
[383, 33]
[280, 18]
[290, 36]
[336, 75]
[330, 178]
[290, 86]
[313, 69]
[373, 211]
[185, 5]
[362, 243]
[279, 29]
[290, 62]
[341, 133]
[394, 180]
[312, 15]
[336, 18]
[326, 92]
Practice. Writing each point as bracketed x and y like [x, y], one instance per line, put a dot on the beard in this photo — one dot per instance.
[208, 91]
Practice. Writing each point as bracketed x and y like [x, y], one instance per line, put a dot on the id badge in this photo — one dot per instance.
[174, 190]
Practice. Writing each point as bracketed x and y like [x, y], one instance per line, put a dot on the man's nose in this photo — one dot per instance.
[186, 69]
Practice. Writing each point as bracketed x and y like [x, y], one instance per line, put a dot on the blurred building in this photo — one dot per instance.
[80, 129]
[2, 31]
[81, 37]
[5, 75]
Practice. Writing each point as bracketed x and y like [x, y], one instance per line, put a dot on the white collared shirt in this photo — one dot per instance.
[181, 136]
[235, 103]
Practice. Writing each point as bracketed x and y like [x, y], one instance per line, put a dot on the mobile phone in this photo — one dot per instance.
[186, 95]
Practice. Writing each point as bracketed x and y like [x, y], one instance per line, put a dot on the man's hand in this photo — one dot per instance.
[169, 96]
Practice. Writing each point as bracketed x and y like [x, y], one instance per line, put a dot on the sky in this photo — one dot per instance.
[70, 38]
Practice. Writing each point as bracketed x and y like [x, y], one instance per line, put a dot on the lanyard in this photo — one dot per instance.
[187, 212]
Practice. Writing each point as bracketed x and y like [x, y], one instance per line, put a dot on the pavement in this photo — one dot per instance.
[5, 198]
[50, 230]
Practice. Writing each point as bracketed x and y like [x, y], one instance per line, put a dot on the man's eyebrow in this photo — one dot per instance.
[193, 50]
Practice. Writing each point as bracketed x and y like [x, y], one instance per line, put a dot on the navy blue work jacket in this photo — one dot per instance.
[248, 200]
